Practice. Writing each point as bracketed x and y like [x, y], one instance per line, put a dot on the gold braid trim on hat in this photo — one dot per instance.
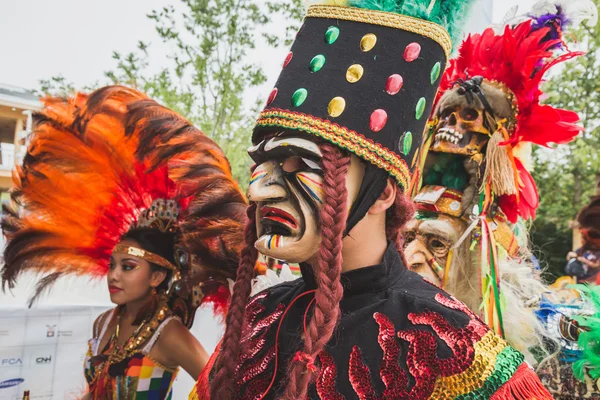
[421, 27]
[146, 255]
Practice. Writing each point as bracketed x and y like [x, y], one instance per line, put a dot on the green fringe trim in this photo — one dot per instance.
[589, 341]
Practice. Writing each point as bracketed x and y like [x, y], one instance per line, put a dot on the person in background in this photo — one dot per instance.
[588, 255]
[116, 185]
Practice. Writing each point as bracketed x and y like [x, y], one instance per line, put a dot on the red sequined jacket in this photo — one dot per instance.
[399, 337]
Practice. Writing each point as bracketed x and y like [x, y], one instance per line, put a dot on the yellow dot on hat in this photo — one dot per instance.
[378, 120]
[332, 34]
[354, 73]
[412, 51]
[368, 42]
[317, 63]
[336, 106]
[394, 84]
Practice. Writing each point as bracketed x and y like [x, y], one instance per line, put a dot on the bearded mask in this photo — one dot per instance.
[467, 116]
[287, 187]
[441, 220]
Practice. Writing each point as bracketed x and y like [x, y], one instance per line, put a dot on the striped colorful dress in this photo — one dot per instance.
[138, 377]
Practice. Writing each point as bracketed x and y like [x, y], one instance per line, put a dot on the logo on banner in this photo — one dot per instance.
[11, 383]
[43, 360]
[10, 362]
[50, 330]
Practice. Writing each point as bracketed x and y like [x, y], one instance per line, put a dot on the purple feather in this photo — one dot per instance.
[556, 22]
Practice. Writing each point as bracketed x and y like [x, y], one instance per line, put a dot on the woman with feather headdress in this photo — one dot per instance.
[116, 185]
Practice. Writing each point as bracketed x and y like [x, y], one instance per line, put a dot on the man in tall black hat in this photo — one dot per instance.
[333, 150]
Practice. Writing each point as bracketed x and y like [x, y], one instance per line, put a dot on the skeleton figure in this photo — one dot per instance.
[468, 235]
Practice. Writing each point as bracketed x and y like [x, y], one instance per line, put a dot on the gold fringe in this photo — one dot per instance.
[499, 170]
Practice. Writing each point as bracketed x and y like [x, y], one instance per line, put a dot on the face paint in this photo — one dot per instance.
[287, 187]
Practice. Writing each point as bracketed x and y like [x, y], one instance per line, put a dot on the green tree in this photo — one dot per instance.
[566, 175]
[209, 72]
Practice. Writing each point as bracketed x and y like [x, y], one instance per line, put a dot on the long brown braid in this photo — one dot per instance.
[227, 361]
[327, 271]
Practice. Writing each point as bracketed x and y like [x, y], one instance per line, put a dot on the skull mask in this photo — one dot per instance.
[467, 115]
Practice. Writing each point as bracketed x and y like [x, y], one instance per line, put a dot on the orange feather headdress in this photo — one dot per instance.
[94, 167]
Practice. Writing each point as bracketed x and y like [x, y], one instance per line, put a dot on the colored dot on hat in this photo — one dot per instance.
[288, 58]
[394, 84]
[378, 120]
[412, 51]
[336, 106]
[420, 108]
[368, 42]
[317, 63]
[299, 97]
[332, 34]
[435, 72]
[272, 96]
[354, 73]
[405, 144]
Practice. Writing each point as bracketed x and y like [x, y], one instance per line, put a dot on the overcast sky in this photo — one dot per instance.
[76, 38]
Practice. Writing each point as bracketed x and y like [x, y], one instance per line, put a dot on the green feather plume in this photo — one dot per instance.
[451, 14]
[589, 338]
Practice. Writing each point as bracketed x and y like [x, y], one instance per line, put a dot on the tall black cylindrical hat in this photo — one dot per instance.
[364, 80]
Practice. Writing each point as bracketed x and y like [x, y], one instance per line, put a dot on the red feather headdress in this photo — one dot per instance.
[95, 164]
[517, 60]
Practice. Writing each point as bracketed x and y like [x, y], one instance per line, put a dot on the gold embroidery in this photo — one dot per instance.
[342, 137]
[484, 362]
[415, 25]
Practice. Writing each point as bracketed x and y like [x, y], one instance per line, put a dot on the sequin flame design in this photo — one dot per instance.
[429, 372]
[327, 377]
[255, 360]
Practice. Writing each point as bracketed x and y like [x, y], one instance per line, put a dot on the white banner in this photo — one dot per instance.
[42, 350]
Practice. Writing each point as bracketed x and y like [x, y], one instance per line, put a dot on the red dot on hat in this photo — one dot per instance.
[412, 51]
[272, 96]
[378, 120]
[288, 58]
[394, 84]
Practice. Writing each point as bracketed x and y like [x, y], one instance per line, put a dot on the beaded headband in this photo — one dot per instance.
[145, 255]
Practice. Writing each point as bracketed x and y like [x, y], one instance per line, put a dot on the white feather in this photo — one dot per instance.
[576, 11]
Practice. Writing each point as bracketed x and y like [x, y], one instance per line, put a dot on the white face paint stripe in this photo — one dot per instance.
[301, 143]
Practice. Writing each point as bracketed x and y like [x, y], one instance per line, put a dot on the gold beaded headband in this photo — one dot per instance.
[145, 255]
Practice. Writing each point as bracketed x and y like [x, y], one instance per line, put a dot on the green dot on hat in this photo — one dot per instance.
[405, 144]
[317, 63]
[332, 34]
[299, 97]
[420, 108]
[435, 72]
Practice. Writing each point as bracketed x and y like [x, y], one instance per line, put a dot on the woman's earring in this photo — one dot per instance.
[153, 290]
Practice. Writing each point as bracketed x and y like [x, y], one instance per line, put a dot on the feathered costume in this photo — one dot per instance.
[487, 116]
[101, 165]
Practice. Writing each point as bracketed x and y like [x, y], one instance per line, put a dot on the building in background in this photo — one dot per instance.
[16, 107]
